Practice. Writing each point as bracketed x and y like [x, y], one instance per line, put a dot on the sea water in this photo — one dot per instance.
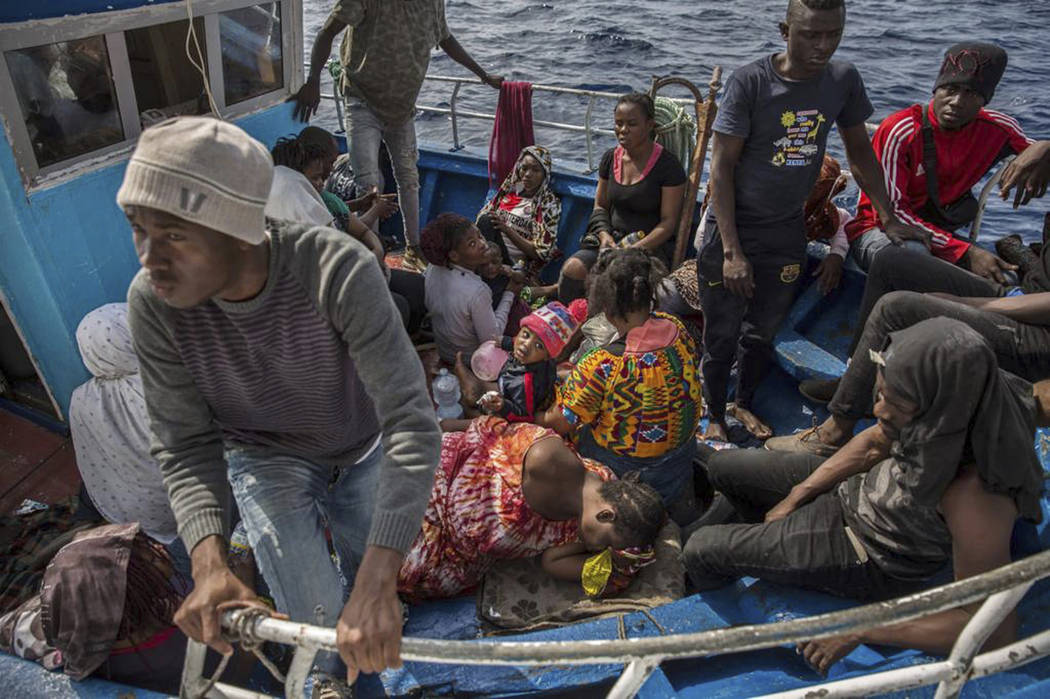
[619, 46]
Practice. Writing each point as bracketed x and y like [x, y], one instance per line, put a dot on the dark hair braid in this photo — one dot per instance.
[795, 6]
[639, 510]
[296, 152]
[151, 596]
[625, 281]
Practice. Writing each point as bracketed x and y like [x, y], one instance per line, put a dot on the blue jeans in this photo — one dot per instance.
[286, 503]
[365, 131]
[864, 248]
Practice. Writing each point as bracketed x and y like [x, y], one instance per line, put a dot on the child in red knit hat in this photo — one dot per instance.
[525, 384]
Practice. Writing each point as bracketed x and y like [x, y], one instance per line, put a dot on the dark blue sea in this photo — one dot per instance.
[620, 46]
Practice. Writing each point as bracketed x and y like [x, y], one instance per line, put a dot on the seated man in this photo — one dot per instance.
[272, 361]
[1016, 327]
[965, 143]
[934, 154]
[873, 522]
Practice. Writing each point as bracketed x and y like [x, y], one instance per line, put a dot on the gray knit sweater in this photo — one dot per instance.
[314, 366]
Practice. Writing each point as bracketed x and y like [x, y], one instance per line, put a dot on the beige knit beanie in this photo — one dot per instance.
[203, 170]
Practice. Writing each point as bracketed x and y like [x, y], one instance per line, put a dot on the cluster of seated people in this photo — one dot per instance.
[281, 372]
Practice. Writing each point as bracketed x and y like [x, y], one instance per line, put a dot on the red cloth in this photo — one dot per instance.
[512, 130]
[963, 158]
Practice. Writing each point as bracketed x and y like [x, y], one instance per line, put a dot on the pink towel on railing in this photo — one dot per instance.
[512, 130]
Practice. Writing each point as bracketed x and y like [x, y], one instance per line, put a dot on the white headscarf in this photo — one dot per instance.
[293, 198]
[110, 427]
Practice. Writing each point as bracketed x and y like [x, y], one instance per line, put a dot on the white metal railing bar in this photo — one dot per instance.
[490, 117]
[655, 649]
[999, 660]
[633, 677]
[453, 110]
[982, 200]
[974, 634]
[536, 87]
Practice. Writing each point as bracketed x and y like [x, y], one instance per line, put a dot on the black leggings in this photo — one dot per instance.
[409, 293]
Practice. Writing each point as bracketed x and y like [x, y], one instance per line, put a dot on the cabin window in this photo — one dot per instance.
[79, 90]
[252, 59]
[166, 82]
[68, 100]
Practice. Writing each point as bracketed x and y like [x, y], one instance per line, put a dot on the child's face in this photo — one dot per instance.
[528, 349]
[493, 262]
[317, 171]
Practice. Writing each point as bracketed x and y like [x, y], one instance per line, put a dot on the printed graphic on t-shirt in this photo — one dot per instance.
[798, 147]
[517, 212]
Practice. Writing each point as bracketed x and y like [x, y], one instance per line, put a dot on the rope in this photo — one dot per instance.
[215, 676]
[241, 631]
[198, 63]
[675, 130]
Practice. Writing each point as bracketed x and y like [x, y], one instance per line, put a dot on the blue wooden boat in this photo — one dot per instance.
[66, 250]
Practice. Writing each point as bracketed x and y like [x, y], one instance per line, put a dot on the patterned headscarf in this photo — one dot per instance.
[547, 206]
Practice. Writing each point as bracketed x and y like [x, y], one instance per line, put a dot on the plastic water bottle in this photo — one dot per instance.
[446, 395]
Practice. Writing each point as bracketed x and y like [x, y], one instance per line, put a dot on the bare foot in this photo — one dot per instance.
[716, 431]
[751, 422]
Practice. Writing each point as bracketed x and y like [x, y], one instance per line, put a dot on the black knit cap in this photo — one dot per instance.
[976, 65]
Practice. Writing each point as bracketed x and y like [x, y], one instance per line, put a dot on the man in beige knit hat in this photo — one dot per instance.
[274, 362]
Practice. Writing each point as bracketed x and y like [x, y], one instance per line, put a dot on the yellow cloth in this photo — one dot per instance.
[596, 572]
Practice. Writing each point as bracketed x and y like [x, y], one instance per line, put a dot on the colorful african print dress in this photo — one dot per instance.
[477, 512]
[641, 397]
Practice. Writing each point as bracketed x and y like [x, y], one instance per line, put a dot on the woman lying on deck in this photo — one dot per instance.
[504, 491]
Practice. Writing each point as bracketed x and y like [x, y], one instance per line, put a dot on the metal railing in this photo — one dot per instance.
[1003, 588]
[587, 128]
[590, 131]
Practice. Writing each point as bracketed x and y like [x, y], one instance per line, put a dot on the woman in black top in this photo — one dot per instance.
[638, 199]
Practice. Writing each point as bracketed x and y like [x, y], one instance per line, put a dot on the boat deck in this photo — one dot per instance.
[35, 463]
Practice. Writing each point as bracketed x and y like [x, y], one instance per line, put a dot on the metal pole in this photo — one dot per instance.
[982, 201]
[455, 123]
[302, 661]
[590, 143]
[193, 670]
[973, 636]
[1005, 658]
[704, 643]
[633, 677]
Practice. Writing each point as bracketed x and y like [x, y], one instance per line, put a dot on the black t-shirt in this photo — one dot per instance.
[636, 207]
[785, 124]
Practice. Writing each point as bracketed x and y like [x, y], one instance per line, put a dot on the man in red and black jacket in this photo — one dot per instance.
[967, 141]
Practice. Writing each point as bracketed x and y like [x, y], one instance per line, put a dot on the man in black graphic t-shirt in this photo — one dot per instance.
[770, 134]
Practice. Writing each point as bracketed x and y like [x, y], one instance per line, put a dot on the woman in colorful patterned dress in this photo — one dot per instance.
[514, 490]
[634, 404]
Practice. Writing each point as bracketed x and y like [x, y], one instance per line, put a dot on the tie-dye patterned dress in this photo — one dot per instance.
[477, 512]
